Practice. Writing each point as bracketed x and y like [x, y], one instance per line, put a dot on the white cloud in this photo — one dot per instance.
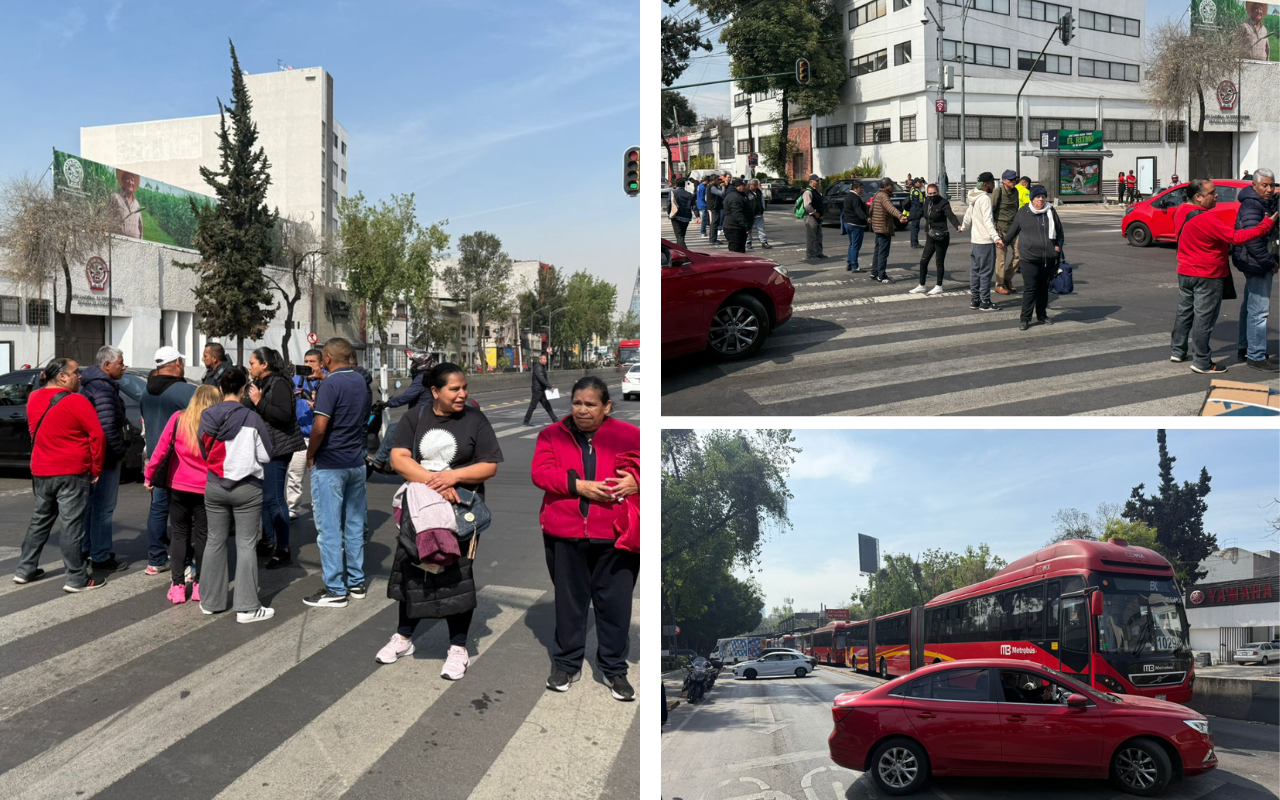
[831, 581]
[837, 459]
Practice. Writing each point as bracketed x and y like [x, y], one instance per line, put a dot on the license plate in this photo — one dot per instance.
[1162, 697]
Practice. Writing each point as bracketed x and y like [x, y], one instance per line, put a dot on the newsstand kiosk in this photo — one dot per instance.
[1071, 165]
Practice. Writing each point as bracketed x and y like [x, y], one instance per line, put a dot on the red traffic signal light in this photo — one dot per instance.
[802, 71]
[631, 172]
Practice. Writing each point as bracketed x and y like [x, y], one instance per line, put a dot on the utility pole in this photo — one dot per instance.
[942, 88]
[751, 139]
[1017, 105]
[964, 57]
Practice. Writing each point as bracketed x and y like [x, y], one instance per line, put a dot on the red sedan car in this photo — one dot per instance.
[723, 302]
[1003, 717]
[1152, 220]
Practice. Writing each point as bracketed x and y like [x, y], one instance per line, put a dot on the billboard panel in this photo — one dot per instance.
[146, 208]
[1257, 23]
[837, 613]
[1079, 176]
[868, 554]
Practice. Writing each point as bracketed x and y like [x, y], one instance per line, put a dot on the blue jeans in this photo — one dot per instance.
[383, 456]
[275, 507]
[1254, 305]
[855, 244]
[158, 528]
[338, 505]
[880, 261]
[61, 502]
[97, 518]
[705, 216]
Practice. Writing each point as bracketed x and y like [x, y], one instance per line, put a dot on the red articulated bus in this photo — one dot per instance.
[830, 644]
[1108, 613]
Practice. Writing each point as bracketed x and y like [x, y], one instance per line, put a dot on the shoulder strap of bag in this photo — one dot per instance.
[56, 399]
[1190, 216]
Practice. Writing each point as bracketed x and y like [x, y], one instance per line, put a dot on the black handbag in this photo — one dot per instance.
[471, 512]
[1229, 285]
[938, 236]
[160, 477]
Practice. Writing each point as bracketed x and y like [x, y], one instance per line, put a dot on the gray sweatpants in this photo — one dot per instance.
[813, 236]
[982, 265]
[245, 502]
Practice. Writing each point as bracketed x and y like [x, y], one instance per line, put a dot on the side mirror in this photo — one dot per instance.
[1095, 604]
[680, 261]
[1077, 700]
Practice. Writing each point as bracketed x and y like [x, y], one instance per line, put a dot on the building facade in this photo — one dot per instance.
[889, 112]
[1238, 602]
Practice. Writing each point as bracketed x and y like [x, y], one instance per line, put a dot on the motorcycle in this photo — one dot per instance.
[698, 680]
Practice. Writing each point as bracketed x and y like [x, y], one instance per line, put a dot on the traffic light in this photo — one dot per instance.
[802, 71]
[631, 172]
[1066, 28]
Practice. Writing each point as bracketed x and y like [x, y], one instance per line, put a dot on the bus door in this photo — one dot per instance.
[1075, 639]
[916, 638]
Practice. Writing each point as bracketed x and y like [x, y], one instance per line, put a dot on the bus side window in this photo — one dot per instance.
[1075, 633]
[1051, 617]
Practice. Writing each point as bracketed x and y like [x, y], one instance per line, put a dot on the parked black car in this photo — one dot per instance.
[782, 191]
[15, 437]
[900, 198]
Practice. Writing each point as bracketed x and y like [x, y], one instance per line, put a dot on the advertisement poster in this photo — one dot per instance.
[1079, 176]
[1257, 23]
[1079, 140]
[146, 209]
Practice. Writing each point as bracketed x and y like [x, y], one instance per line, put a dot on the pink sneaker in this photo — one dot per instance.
[398, 647]
[195, 592]
[177, 593]
[455, 666]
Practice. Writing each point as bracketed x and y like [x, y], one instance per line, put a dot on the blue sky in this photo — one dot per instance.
[506, 117]
[714, 100]
[921, 489]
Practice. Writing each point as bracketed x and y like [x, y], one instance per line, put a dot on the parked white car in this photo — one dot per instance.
[631, 383]
[773, 665]
[1261, 652]
[771, 650]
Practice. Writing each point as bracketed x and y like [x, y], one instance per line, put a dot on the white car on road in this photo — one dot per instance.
[774, 664]
[1259, 652]
[631, 383]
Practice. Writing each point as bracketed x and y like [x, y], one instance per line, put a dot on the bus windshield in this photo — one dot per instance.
[1141, 616]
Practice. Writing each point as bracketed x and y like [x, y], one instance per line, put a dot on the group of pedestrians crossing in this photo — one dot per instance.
[218, 460]
[734, 207]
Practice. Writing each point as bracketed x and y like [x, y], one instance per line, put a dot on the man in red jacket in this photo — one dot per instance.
[67, 448]
[1204, 247]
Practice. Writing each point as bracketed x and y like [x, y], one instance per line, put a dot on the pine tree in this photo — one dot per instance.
[1177, 514]
[234, 236]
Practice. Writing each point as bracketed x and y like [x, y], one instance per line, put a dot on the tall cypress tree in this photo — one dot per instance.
[1177, 514]
[234, 237]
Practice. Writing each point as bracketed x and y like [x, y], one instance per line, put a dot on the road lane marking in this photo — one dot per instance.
[64, 607]
[876, 300]
[1179, 405]
[786, 341]
[49, 567]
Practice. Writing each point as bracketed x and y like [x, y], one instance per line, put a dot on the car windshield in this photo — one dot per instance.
[634, 370]
[133, 386]
[1141, 616]
[1076, 686]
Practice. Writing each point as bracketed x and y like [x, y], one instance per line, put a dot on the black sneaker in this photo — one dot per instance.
[1023, 325]
[326, 599]
[34, 576]
[110, 565]
[1045, 321]
[560, 681]
[974, 305]
[884, 279]
[92, 583]
[1266, 365]
[280, 558]
[620, 689]
[264, 549]
[358, 591]
[1212, 369]
[988, 306]
[1242, 355]
[874, 278]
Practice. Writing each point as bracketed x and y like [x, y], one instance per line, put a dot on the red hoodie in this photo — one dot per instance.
[557, 456]
[1204, 244]
[70, 440]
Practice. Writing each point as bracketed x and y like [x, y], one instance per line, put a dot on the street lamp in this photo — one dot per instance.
[550, 317]
[471, 323]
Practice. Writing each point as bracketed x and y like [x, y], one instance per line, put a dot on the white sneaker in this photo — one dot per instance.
[455, 666]
[918, 290]
[937, 290]
[260, 614]
[398, 647]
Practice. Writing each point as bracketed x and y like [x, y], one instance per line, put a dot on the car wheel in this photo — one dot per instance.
[1141, 767]
[738, 328]
[801, 672]
[749, 674]
[884, 670]
[1139, 235]
[899, 766]
[1264, 661]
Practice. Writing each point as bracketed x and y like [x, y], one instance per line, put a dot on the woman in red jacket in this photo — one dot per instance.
[577, 464]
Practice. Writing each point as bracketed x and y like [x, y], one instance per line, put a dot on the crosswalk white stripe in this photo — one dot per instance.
[106, 751]
[10, 552]
[876, 300]
[514, 431]
[546, 757]
[1178, 406]
[7, 585]
[327, 757]
[787, 341]
[849, 355]
[64, 607]
[1035, 389]
[1051, 352]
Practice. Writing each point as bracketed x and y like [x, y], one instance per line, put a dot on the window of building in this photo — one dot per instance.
[1058, 65]
[908, 126]
[335, 169]
[335, 140]
[726, 147]
[981, 54]
[760, 97]
[739, 99]
[871, 62]
[1003, 129]
[876, 132]
[324, 134]
[38, 313]
[833, 136]
[335, 198]
[865, 13]
[344, 148]
[744, 147]
[1107, 23]
[1175, 132]
[1045, 12]
[344, 176]
[1131, 130]
[1110, 70]
[902, 54]
[1039, 124]
[10, 311]
[898, 5]
[994, 6]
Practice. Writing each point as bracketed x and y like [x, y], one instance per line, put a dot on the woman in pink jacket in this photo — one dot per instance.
[184, 477]
[578, 463]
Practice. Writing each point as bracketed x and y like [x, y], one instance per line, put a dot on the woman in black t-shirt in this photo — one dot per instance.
[444, 445]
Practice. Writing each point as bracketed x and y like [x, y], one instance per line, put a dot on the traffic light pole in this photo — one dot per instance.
[1017, 106]
[728, 80]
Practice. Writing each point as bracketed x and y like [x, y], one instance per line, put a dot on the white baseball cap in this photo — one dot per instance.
[167, 355]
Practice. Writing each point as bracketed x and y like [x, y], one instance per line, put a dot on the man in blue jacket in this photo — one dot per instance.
[101, 385]
[1257, 260]
[701, 199]
[304, 401]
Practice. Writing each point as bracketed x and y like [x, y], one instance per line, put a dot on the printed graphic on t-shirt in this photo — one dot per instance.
[436, 449]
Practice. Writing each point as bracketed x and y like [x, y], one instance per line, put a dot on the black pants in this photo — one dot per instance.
[188, 532]
[459, 625]
[539, 396]
[1035, 288]
[915, 230]
[589, 573]
[680, 226]
[736, 239]
[932, 246]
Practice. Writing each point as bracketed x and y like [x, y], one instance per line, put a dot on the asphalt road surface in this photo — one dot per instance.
[767, 740]
[857, 347]
[117, 693]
